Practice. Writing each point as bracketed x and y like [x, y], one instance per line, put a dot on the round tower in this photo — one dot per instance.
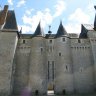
[63, 67]
[37, 71]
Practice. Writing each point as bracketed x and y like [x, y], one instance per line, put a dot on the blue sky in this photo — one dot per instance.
[73, 13]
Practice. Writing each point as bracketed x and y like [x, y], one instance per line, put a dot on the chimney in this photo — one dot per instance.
[3, 15]
[5, 8]
[95, 20]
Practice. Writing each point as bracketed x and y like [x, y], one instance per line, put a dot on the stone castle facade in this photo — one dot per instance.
[61, 62]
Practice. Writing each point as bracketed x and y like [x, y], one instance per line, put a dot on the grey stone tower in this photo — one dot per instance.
[63, 70]
[37, 70]
[8, 43]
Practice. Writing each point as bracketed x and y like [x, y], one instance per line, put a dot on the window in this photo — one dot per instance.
[48, 69]
[66, 67]
[50, 41]
[63, 39]
[53, 70]
[81, 69]
[41, 50]
[60, 54]
[23, 41]
[79, 41]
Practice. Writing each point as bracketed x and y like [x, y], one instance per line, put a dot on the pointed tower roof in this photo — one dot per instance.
[39, 31]
[83, 33]
[61, 30]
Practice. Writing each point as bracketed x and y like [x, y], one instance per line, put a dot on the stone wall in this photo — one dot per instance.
[8, 42]
[38, 71]
[22, 66]
[82, 66]
[73, 68]
[63, 71]
[93, 48]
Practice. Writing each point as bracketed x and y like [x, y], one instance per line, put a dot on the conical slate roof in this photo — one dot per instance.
[61, 31]
[83, 33]
[38, 31]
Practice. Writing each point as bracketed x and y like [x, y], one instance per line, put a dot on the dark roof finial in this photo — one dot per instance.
[60, 21]
[20, 31]
[95, 20]
[49, 29]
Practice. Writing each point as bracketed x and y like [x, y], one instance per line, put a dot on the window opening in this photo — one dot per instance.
[63, 39]
[53, 70]
[59, 54]
[48, 69]
[41, 50]
[66, 67]
[23, 41]
[50, 41]
[79, 41]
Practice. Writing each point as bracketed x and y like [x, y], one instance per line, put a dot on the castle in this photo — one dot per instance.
[65, 63]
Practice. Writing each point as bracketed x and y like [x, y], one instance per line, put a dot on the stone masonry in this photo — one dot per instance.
[38, 62]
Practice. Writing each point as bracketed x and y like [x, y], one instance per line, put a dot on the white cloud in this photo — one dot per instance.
[25, 28]
[79, 16]
[21, 2]
[76, 19]
[10, 2]
[31, 22]
[91, 11]
[44, 16]
[73, 28]
[29, 11]
[60, 7]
